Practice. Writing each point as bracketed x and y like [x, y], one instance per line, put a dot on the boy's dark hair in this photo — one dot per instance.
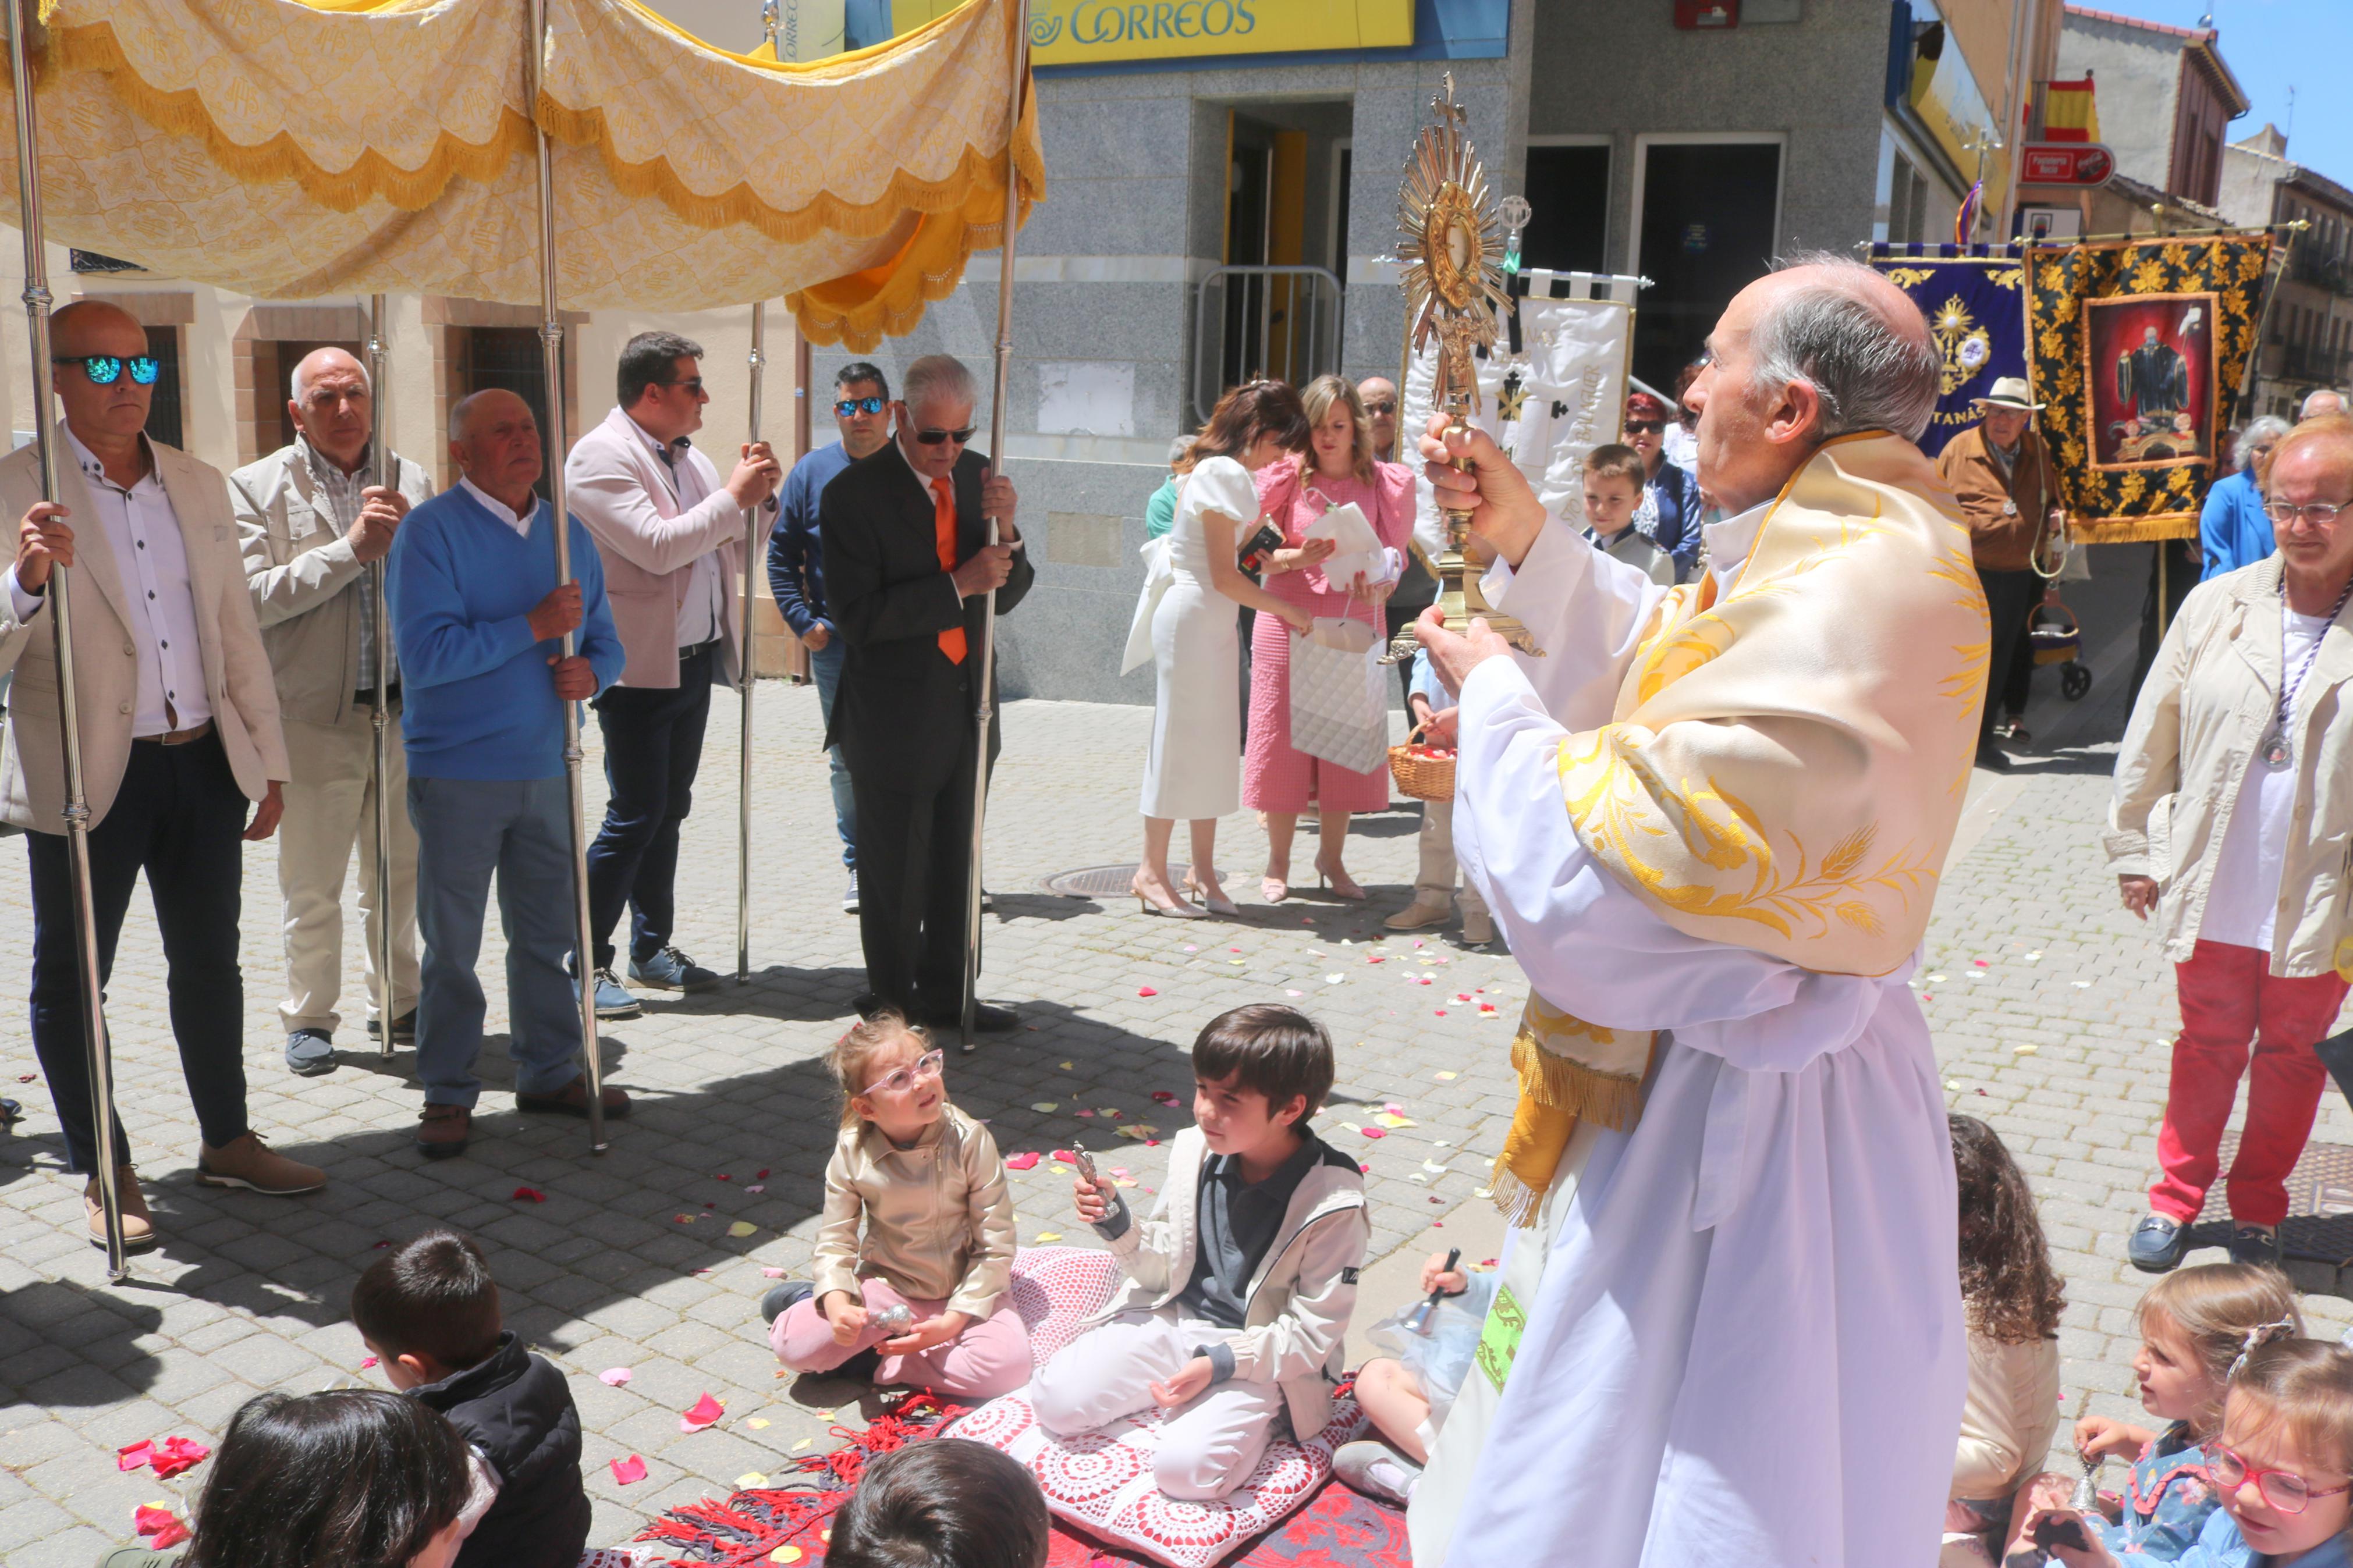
[359, 1478]
[858, 370]
[1270, 1050]
[431, 1296]
[945, 1503]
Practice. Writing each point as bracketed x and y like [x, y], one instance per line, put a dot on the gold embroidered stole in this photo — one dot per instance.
[1785, 768]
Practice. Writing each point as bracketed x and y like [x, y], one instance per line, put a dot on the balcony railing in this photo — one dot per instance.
[1278, 322]
[2323, 367]
[2322, 270]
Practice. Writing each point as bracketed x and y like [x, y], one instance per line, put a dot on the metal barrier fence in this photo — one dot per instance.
[1250, 322]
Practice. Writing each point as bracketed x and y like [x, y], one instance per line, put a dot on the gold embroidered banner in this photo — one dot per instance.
[291, 149]
[2138, 348]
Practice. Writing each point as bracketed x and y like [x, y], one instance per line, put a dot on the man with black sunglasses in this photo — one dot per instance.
[179, 733]
[671, 539]
[906, 567]
[861, 412]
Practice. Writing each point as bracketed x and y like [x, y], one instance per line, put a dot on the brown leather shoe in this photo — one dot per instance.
[442, 1131]
[572, 1099]
[138, 1225]
[251, 1163]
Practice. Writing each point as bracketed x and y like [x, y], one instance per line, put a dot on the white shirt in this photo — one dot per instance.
[500, 508]
[144, 533]
[699, 613]
[2243, 900]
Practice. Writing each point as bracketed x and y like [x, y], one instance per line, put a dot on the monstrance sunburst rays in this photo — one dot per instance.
[1451, 242]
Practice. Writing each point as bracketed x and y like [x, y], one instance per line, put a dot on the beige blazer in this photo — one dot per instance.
[2202, 713]
[106, 662]
[615, 486]
[297, 562]
[938, 1218]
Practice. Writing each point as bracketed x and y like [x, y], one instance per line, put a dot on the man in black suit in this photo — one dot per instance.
[905, 565]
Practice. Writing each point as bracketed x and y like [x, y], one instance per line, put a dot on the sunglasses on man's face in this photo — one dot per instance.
[105, 370]
[1380, 408]
[849, 406]
[933, 437]
[693, 385]
[1644, 427]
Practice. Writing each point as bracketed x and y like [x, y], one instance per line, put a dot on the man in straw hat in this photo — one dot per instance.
[1711, 822]
[2000, 471]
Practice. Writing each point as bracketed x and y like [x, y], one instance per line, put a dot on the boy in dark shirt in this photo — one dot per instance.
[429, 1311]
[1240, 1284]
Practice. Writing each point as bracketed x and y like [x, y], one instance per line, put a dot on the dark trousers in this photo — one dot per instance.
[653, 744]
[177, 818]
[2182, 560]
[915, 868]
[2009, 598]
[1399, 618]
[2017, 687]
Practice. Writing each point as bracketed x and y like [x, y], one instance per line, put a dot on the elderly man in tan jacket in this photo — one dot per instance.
[2000, 472]
[178, 724]
[310, 524]
[2230, 822]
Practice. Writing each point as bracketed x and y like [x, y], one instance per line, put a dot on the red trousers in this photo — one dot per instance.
[2229, 998]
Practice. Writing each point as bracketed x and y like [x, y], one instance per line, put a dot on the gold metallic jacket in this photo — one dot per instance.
[938, 1216]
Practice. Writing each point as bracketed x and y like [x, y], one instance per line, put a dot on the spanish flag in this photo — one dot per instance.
[2068, 111]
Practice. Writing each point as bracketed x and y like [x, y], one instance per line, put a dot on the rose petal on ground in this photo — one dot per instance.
[1444, 1077]
[1145, 991]
[761, 1424]
[1372, 1132]
[1066, 1157]
[706, 1411]
[2025, 1051]
[174, 1454]
[1164, 1095]
[1441, 1012]
[1143, 1130]
[625, 1471]
[1044, 1106]
[147, 1519]
[761, 1174]
[368, 1363]
[1024, 1161]
[1045, 1236]
[1082, 1112]
[136, 1456]
[803, 1444]
[722, 1176]
[750, 1480]
[529, 1195]
[614, 1376]
[786, 1554]
[757, 1187]
[1980, 963]
[1333, 979]
[743, 1228]
[774, 1273]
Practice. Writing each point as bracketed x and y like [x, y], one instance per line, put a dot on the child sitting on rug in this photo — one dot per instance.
[345, 1476]
[2195, 1325]
[1408, 1405]
[921, 1298]
[2012, 1300]
[429, 1311]
[942, 1504]
[1239, 1286]
[2283, 1468]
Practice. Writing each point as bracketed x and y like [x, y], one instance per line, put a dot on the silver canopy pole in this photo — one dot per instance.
[60, 603]
[386, 475]
[985, 706]
[551, 345]
[752, 519]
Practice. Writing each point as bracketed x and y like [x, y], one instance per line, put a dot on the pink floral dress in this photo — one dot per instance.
[1276, 776]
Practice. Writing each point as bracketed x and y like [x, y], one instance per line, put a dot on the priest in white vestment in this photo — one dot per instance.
[1711, 820]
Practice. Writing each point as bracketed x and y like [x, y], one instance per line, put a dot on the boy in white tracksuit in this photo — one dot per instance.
[1239, 1285]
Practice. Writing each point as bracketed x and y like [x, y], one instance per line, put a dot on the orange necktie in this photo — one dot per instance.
[943, 533]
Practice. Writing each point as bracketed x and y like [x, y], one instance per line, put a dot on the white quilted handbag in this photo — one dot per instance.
[1339, 709]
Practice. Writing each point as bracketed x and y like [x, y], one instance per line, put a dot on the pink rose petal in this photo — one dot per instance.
[1145, 991]
[1372, 1132]
[757, 1187]
[135, 1456]
[706, 1412]
[614, 1377]
[774, 1273]
[367, 1364]
[630, 1469]
[1025, 1161]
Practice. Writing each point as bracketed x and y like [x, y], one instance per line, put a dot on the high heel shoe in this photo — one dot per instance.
[1342, 885]
[1216, 903]
[1175, 908]
[1275, 888]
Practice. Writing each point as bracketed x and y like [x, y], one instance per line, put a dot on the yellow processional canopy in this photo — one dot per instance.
[293, 149]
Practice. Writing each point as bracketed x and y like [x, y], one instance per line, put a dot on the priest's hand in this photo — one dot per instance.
[1456, 657]
[1504, 511]
[1190, 1382]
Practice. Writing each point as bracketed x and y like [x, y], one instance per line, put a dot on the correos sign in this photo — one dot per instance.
[1091, 32]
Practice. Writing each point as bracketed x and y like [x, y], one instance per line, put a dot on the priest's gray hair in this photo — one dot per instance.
[938, 378]
[1869, 375]
[297, 387]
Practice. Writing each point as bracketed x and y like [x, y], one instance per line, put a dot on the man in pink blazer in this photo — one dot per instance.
[671, 537]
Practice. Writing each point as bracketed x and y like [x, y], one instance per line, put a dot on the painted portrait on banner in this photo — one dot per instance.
[2150, 373]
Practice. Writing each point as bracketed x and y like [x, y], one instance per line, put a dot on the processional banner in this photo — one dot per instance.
[2139, 348]
[1975, 302]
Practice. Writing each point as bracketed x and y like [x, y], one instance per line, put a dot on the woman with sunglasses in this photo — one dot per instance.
[2228, 824]
[1280, 779]
[1669, 512]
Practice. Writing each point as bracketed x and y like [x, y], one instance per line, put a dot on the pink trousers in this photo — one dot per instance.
[989, 1358]
[2231, 999]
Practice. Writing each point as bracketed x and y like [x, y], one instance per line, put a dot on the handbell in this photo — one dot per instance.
[894, 1318]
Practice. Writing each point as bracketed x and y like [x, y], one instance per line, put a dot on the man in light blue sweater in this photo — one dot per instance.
[477, 613]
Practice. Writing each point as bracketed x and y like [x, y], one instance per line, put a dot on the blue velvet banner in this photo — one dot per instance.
[1975, 300]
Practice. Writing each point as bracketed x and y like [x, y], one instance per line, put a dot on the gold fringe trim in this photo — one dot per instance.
[1514, 1199]
[2135, 530]
[1561, 1083]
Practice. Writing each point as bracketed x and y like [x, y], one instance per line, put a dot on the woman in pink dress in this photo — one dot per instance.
[1278, 779]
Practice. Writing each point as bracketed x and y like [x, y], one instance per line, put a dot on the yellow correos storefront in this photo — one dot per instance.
[1096, 32]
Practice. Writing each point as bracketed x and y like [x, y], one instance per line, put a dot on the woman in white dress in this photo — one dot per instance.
[1193, 768]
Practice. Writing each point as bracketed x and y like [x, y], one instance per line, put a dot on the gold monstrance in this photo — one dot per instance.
[1451, 241]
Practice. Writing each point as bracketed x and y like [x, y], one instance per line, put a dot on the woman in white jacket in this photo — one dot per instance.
[2231, 820]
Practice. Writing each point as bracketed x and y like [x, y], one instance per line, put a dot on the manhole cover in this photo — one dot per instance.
[1102, 881]
[2319, 1224]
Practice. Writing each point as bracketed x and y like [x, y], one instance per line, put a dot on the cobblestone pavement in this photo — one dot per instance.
[634, 1260]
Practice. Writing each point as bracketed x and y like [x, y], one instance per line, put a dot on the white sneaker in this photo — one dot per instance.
[1375, 1469]
[850, 898]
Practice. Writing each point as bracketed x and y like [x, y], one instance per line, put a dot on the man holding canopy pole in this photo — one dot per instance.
[179, 733]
